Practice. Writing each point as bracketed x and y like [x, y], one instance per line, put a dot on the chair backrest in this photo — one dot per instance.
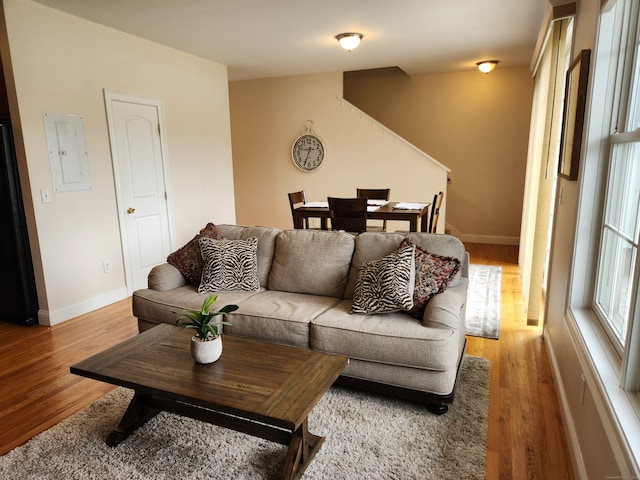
[295, 200]
[435, 211]
[374, 193]
[348, 214]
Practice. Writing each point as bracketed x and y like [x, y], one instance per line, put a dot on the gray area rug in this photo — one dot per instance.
[484, 301]
[367, 437]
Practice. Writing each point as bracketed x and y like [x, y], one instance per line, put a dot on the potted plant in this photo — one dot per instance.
[206, 344]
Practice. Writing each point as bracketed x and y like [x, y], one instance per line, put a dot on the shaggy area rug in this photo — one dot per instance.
[484, 301]
[367, 436]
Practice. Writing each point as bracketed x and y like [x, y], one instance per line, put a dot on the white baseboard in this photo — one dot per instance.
[615, 410]
[490, 239]
[50, 318]
[565, 412]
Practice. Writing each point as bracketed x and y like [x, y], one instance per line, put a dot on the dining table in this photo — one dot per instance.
[413, 212]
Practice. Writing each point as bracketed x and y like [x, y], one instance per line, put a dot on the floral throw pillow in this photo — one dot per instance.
[433, 275]
[386, 285]
[229, 265]
[188, 259]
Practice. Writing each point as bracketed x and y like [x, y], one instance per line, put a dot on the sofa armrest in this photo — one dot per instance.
[165, 277]
[447, 308]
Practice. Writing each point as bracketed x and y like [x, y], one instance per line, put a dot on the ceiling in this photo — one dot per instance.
[271, 38]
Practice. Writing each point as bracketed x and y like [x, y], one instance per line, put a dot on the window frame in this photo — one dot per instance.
[611, 379]
[607, 230]
[623, 66]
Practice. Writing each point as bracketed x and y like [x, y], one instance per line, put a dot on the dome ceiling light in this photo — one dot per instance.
[486, 66]
[349, 41]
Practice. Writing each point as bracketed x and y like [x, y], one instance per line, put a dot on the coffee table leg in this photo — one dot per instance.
[303, 447]
[136, 415]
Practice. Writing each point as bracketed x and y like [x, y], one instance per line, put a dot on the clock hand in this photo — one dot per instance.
[308, 149]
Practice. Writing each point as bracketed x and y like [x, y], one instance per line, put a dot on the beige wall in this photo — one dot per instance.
[268, 115]
[588, 426]
[58, 63]
[476, 124]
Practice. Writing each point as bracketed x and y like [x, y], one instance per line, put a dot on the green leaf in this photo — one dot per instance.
[228, 309]
[206, 305]
[200, 320]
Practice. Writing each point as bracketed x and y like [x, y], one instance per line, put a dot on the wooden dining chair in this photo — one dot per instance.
[374, 194]
[348, 214]
[435, 211]
[297, 199]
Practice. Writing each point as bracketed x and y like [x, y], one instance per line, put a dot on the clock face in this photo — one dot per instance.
[308, 152]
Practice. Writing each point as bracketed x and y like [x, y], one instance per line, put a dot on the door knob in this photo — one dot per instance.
[130, 210]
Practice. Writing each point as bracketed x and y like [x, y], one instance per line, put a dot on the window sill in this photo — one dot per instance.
[619, 410]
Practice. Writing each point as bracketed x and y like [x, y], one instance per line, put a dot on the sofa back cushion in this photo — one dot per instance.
[312, 261]
[266, 245]
[370, 246]
[375, 245]
[443, 245]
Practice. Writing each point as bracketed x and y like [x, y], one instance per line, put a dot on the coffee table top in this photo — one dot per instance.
[255, 379]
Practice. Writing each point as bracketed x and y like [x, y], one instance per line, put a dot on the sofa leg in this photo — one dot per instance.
[438, 409]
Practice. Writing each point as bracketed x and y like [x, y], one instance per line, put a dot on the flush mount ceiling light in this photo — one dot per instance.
[349, 41]
[486, 66]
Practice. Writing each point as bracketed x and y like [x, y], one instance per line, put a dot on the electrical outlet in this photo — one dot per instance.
[106, 266]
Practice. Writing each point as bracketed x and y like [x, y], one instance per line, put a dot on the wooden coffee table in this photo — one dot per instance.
[259, 388]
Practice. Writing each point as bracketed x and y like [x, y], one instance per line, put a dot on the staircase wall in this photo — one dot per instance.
[267, 116]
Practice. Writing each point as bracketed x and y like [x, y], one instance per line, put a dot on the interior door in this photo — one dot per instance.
[139, 169]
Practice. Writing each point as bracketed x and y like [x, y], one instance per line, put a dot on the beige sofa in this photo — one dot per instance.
[307, 281]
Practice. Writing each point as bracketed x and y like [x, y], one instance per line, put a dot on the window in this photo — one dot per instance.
[619, 242]
[617, 272]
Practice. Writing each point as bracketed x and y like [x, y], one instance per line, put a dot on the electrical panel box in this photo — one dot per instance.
[68, 157]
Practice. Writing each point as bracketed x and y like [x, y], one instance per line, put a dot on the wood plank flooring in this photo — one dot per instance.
[526, 439]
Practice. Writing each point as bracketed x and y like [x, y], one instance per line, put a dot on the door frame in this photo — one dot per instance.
[111, 96]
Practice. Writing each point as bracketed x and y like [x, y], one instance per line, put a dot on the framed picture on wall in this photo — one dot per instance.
[575, 99]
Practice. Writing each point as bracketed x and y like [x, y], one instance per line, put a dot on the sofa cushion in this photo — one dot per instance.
[155, 306]
[394, 338]
[441, 244]
[433, 275]
[373, 245]
[279, 317]
[229, 265]
[386, 285]
[312, 261]
[266, 245]
[188, 260]
[370, 246]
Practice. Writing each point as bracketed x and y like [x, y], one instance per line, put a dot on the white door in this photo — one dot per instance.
[139, 169]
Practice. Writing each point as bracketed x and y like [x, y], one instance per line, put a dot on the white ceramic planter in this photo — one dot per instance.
[206, 352]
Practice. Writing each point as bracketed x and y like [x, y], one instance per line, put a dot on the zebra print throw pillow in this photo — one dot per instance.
[229, 265]
[386, 285]
[433, 275]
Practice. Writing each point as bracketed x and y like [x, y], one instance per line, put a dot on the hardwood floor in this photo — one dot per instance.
[37, 390]
[526, 439]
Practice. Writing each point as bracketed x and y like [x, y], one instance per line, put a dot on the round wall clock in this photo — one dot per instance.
[308, 150]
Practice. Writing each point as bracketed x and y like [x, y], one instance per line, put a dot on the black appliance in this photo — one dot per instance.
[18, 297]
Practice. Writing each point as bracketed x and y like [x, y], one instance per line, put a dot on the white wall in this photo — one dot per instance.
[58, 63]
[268, 115]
